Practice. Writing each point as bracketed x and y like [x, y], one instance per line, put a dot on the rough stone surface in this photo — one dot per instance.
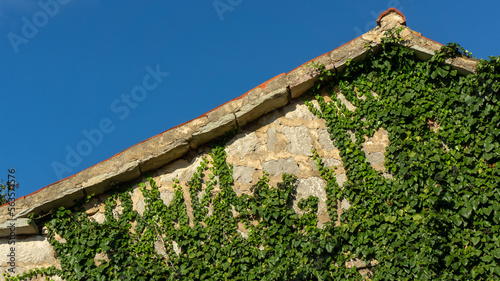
[299, 111]
[314, 186]
[181, 170]
[98, 217]
[375, 158]
[160, 248]
[117, 211]
[176, 247]
[341, 179]
[22, 226]
[243, 174]
[391, 20]
[377, 143]
[331, 162]
[100, 258]
[244, 144]
[243, 234]
[300, 141]
[257, 107]
[344, 204]
[374, 148]
[92, 206]
[324, 140]
[167, 196]
[282, 166]
[31, 252]
[271, 138]
[140, 206]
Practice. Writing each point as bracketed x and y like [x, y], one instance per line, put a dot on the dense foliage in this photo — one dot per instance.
[434, 214]
[437, 216]
[281, 246]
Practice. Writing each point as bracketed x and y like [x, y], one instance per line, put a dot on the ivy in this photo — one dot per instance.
[433, 214]
[278, 244]
[436, 216]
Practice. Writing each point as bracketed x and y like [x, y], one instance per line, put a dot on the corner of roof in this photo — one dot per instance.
[387, 12]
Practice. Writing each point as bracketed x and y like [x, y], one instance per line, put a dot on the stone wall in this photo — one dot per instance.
[278, 142]
[277, 135]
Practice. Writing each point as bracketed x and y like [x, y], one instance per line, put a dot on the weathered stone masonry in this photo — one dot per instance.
[277, 134]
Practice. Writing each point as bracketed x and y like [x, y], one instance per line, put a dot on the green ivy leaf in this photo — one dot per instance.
[475, 240]
[441, 72]
[390, 219]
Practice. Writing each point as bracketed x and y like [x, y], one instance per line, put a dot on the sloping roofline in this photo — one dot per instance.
[172, 144]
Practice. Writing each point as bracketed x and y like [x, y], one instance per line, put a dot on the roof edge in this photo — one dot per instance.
[390, 10]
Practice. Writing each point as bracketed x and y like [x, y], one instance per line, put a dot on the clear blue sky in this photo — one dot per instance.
[65, 64]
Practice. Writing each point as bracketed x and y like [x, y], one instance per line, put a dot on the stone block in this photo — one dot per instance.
[214, 129]
[341, 179]
[100, 258]
[301, 79]
[255, 107]
[332, 162]
[62, 195]
[271, 138]
[276, 83]
[181, 170]
[243, 174]
[98, 217]
[300, 140]
[31, 252]
[160, 248]
[282, 166]
[313, 186]
[344, 204]
[243, 145]
[140, 206]
[299, 111]
[21, 226]
[325, 141]
[163, 154]
[375, 158]
[92, 206]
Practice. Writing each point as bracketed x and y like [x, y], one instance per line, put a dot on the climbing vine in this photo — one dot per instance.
[433, 214]
[277, 245]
